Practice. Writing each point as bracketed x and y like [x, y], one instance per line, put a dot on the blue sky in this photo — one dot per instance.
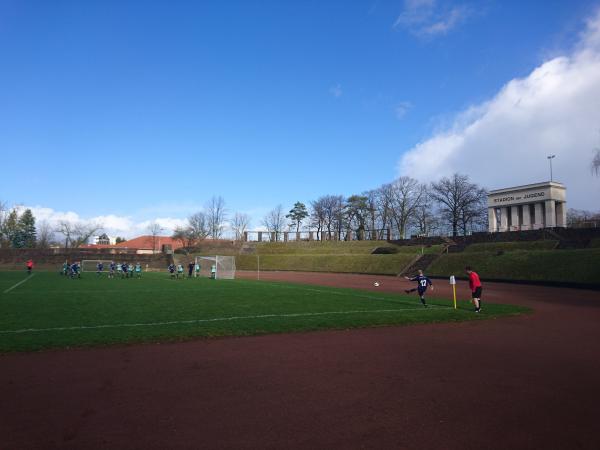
[147, 109]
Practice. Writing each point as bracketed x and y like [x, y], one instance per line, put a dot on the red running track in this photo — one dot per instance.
[528, 382]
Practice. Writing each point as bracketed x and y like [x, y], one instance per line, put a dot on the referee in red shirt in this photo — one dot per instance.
[475, 285]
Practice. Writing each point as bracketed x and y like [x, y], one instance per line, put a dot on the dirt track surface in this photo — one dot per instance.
[528, 382]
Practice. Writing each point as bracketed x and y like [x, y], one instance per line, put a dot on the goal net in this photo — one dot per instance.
[90, 265]
[223, 267]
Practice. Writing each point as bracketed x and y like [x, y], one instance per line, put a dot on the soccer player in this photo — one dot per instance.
[124, 270]
[130, 270]
[171, 269]
[138, 270]
[213, 272]
[29, 266]
[422, 283]
[113, 266]
[197, 270]
[65, 268]
[99, 268]
[190, 269]
[75, 270]
[475, 285]
[179, 270]
[119, 269]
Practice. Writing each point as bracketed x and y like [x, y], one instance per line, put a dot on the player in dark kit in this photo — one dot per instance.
[171, 269]
[99, 269]
[190, 269]
[422, 283]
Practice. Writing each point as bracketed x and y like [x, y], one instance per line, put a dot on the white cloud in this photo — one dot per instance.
[402, 109]
[428, 18]
[505, 141]
[336, 90]
[112, 224]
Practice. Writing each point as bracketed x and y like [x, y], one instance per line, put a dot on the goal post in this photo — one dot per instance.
[90, 265]
[224, 267]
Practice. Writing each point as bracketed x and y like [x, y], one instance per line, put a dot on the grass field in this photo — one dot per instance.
[573, 266]
[50, 311]
[373, 264]
[511, 246]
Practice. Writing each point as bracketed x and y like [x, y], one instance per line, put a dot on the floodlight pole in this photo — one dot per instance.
[550, 158]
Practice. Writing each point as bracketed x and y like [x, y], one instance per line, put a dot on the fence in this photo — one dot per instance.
[317, 235]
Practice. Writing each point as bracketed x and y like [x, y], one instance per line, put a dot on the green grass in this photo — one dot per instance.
[595, 243]
[374, 264]
[511, 246]
[575, 266]
[54, 312]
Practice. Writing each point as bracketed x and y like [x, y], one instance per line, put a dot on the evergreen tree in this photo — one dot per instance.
[297, 214]
[26, 230]
[10, 227]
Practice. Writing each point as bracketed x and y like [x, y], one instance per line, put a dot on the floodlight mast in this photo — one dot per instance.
[550, 158]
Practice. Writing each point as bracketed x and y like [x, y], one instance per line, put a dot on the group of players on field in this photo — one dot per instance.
[126, 270]
[177, 271]
[123, 270]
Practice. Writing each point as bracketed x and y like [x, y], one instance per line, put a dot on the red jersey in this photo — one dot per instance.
[474, 281]
[30, 264]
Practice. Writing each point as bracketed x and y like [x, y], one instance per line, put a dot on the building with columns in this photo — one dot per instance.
[529, 207]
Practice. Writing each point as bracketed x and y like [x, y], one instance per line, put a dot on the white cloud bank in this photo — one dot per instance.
[112, 225]
[504, 141]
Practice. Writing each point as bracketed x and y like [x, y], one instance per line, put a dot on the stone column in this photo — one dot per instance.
[285, 236]
[273, 236]
[538, 217]
[561, 214]
[526, 218]
[504, 219]
[514, 218]
[297, 235]
[310, 235]
[492, 225]
[550, 213]
[260, 236]
[245, 236]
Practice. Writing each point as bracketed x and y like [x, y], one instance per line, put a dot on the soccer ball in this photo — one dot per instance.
[376, 284]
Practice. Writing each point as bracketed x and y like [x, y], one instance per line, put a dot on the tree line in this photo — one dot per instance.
[453, 205]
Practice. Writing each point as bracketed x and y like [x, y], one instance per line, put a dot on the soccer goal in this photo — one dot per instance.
[90, 265]
[223, 267]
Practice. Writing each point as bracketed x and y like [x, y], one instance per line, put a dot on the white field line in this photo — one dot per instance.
[217, 319]
[19, 283]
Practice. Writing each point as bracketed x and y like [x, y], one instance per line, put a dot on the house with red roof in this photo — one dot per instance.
[143, 244]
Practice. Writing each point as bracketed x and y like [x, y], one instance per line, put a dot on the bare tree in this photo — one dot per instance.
[332, 209]
[317, 216]
[185, 235]
[426, 221]
[404, 196]
[461, 203]
[274, 221]
[45, 235]
[154, 229]
[240, 224]
[198, 226]
[216, 216]
[77, 233]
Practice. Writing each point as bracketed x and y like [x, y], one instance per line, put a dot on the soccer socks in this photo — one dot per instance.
[423, 301]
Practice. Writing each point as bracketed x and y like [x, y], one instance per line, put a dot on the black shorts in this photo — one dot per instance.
[477, 292]
[421, 290]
